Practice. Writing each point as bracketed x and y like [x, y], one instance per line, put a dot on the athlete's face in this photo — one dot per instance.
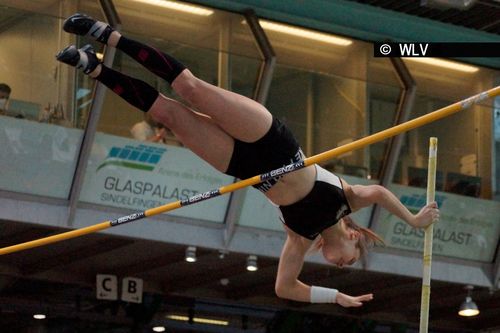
[341, 249]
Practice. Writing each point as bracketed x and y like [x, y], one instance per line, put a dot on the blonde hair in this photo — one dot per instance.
[367, 238]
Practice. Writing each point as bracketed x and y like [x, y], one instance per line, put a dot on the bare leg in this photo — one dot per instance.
[239, 116]
[196, 131]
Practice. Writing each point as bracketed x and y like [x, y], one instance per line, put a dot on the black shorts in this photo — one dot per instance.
[277, 148]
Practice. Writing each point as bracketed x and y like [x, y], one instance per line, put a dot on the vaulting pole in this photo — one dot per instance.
[429, 231]
[414, 123]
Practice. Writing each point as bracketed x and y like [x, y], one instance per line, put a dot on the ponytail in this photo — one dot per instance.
[367, 238]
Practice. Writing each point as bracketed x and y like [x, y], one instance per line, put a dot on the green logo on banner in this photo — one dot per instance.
[415, 202]
[139, 157]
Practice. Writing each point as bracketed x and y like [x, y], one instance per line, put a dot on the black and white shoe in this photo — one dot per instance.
[84, 58]
[84, 25]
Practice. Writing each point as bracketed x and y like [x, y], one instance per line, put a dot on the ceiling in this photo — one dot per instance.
[60, 278]
[483, 15]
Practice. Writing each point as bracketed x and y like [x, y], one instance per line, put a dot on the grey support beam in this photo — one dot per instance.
[233, 211]
[224, 59]
[496, 270]
[267, 51]
[94, 115]
[224, 78]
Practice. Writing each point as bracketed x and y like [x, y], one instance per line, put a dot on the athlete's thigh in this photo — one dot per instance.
[241, 117]
[196, 131]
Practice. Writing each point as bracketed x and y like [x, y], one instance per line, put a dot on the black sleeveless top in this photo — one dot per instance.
[321, 208]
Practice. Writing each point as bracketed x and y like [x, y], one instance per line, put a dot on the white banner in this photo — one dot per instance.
[468, 227]
[37, 158]
[138, 175]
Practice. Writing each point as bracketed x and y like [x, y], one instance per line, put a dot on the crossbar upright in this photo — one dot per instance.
[429, 231]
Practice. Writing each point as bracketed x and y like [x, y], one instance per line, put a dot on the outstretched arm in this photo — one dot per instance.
[288, 285]
[362, 196]
[291, 261]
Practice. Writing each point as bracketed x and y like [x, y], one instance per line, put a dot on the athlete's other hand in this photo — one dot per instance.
[352, 301]
[427, 215]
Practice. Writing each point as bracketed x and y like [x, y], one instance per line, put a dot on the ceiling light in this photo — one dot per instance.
[223, 254]
[159, 329]
[445, 64]
[179, 6]
[304, 33]
[468, 307]
[200, 320]
[446, 4]
[39, 316]
[190, 254]
[252, 263]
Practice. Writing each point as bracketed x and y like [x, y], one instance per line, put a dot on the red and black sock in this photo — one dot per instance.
[153, 59]
[134, 91]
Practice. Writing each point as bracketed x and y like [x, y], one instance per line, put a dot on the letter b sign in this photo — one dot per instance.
[132, 290]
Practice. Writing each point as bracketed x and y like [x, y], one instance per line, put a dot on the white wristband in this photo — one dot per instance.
[323, 295]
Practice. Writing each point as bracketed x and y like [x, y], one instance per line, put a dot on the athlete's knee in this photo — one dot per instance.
[188, 87]
[162, 112]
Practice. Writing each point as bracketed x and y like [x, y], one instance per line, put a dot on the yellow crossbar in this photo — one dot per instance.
[398, 129]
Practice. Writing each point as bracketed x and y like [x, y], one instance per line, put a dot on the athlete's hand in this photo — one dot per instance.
[352, 301]
[427, 215]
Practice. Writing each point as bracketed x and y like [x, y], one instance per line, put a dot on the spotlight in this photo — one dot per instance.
[448, 4]
[159, 329]
[223, 254]
[190, 254]
[252, 263]
[468, 307]
[39, 316]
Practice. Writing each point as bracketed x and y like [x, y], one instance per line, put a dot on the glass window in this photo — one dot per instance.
[496, 142]
[38, 132]
[321, 93]
[464, 138]
[382, 106]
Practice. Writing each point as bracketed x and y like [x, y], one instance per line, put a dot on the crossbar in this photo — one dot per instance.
[368, 140]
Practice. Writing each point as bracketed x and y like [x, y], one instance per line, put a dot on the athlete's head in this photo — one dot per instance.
[345, 242]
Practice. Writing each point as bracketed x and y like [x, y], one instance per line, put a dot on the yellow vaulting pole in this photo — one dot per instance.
[414, 123]
[429, 231]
